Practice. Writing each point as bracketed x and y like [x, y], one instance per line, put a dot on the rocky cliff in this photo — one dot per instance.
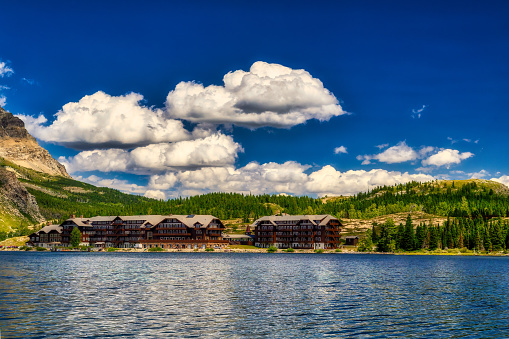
[15, 201]
[19, 147]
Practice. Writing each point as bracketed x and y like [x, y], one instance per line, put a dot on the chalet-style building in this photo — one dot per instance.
[186, 231]
[49, 236]
[83, 224]
[297, 231]
[147, 231]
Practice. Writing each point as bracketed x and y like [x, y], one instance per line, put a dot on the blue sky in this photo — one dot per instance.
[425, 81]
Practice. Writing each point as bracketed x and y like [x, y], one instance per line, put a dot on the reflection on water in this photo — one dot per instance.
[233, 295]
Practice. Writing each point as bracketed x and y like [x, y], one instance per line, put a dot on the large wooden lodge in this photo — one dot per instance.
[298, 231]
[142, 231]
[192, 232]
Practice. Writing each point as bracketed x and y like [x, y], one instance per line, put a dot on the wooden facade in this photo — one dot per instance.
[186, 232]
[49, 236]
[147, 231]
[298, 231]
[352, 240]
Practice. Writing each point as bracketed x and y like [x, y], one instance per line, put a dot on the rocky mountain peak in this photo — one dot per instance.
[12, 127]
[19, 147]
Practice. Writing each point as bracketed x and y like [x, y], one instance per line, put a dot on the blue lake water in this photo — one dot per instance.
[237, 295]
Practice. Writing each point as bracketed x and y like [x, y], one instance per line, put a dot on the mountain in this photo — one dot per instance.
[17, 206]
[19, 147]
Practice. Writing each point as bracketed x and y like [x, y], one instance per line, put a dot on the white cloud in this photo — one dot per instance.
[503, 180]
[424, 169]
[479, 175]
[452, 140]
[417, 113]
[28, 81]
[340, 149]
[382, 146]
[446, 157]
[163, 182]
[5, 70]
[3, 100]
[101, 120]
[155, 194]
[426, 150]
[328, 181]
[395, 154]
[267, 95]
[366, 159]
[287, 178]
[215, 150]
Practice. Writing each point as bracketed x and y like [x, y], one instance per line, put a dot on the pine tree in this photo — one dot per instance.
[409, 236]
[400, 237]
[433, 237]
[374, 235]
[385, 242]
[497, 238]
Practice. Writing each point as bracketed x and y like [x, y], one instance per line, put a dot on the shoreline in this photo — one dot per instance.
[233, 250]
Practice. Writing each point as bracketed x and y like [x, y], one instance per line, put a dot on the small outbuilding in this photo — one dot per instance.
[352, 240]
[239, 239]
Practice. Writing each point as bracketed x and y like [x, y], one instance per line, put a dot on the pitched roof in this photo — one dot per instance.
[49, 228]
[188, 220]
[319, 219]
[192, 219]
[83, 222]
[147, 219]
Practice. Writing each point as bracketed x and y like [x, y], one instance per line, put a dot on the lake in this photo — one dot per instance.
[248, 295]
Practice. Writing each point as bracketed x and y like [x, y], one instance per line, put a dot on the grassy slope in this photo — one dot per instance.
[17, 241]
[58, 197]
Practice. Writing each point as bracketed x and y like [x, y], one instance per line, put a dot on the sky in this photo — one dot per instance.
[168, 99]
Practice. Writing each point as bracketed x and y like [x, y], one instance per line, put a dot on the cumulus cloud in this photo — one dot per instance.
[340, 149]
[382, 146]
[503, 180]
[267, 95]
[395, 154]
[3, 100]
[215, 150]
[5, 70]
[288, 178]
[163, 182]
[329, 181]
[155, 194]
[101, 121]
[446, 157]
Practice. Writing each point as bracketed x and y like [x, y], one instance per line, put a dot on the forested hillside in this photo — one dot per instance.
[59, 197]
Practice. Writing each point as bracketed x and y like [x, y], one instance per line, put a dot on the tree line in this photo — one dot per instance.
[461, 233]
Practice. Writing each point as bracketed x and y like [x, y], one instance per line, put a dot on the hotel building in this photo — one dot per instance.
[298, 231]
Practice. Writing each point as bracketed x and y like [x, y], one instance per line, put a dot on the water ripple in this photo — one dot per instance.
[226, 295]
